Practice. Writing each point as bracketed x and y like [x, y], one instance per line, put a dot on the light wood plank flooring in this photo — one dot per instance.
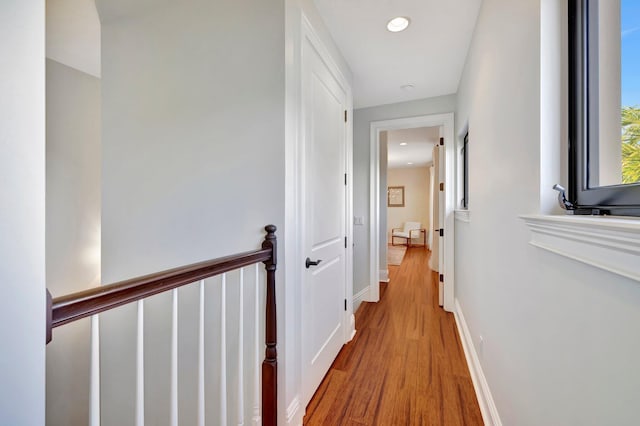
[405, 366]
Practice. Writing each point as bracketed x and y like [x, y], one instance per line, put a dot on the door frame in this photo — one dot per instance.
[299, 29]
[311, 42]
[445, 120]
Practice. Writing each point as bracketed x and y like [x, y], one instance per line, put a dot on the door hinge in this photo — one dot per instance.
[345, 304]
[441, 186]
[345, 179]
[345, 242]
[441, 278]
[345, 115]
[441, 141]
[441, 232]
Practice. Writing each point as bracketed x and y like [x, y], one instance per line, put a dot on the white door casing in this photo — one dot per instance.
[301, 33]
[445, 120]
[22, 216]
[324, 228]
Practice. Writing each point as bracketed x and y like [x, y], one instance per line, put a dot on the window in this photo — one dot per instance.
[465, 172]
[604, 106]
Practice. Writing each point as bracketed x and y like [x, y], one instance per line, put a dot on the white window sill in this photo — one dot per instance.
[609, 243]
[463, 215]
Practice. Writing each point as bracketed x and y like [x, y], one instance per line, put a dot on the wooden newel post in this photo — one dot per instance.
[270, 363]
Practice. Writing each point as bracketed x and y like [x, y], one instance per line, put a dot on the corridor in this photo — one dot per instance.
[405, 366]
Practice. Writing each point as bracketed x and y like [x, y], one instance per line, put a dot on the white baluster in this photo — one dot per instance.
[140, 367]
[223, 351]
[241, 352]
[256, 371]
[201, 405]
[174, 360]
[94, 403]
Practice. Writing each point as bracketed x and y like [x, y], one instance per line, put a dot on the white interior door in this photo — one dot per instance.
[441, 217]
[324, 227]
[435, 226]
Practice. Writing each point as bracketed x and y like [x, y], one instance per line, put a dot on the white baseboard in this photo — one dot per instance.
[433, 267]
[384, 276]
[360, 297]
[294, 413]
[488, 408]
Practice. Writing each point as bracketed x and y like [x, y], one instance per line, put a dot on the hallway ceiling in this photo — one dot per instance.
[430, 54]
[418, 149]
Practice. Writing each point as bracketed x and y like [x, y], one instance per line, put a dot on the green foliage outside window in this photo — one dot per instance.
[630, 144]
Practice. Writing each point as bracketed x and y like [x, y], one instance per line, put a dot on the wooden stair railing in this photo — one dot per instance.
[65, 309]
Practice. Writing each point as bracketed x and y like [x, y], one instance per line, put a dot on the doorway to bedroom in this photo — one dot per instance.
[408, 172]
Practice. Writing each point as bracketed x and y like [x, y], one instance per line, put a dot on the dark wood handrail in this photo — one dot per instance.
[75, 306]
[86, 303]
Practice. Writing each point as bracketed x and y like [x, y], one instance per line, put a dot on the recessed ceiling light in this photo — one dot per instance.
[403, 144]
[398, 24]
[407, 87]
[409, 164]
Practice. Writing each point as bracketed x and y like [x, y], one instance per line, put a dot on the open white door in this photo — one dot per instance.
[324, 227]
[435, 225]
[437, 253]
[441, 217]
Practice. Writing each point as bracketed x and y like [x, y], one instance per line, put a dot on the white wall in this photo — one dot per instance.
[417, 204]
[190, 132]
[22, 216]
[73, 34]
[560, 338]
[73, 229]
[361, 160]
[192, 167]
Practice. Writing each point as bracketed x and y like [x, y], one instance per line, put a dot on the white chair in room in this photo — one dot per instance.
[409, 231]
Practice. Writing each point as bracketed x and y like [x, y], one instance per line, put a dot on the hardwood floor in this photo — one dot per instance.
[405, 366]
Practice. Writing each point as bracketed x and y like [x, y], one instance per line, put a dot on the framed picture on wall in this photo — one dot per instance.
[395, 196]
